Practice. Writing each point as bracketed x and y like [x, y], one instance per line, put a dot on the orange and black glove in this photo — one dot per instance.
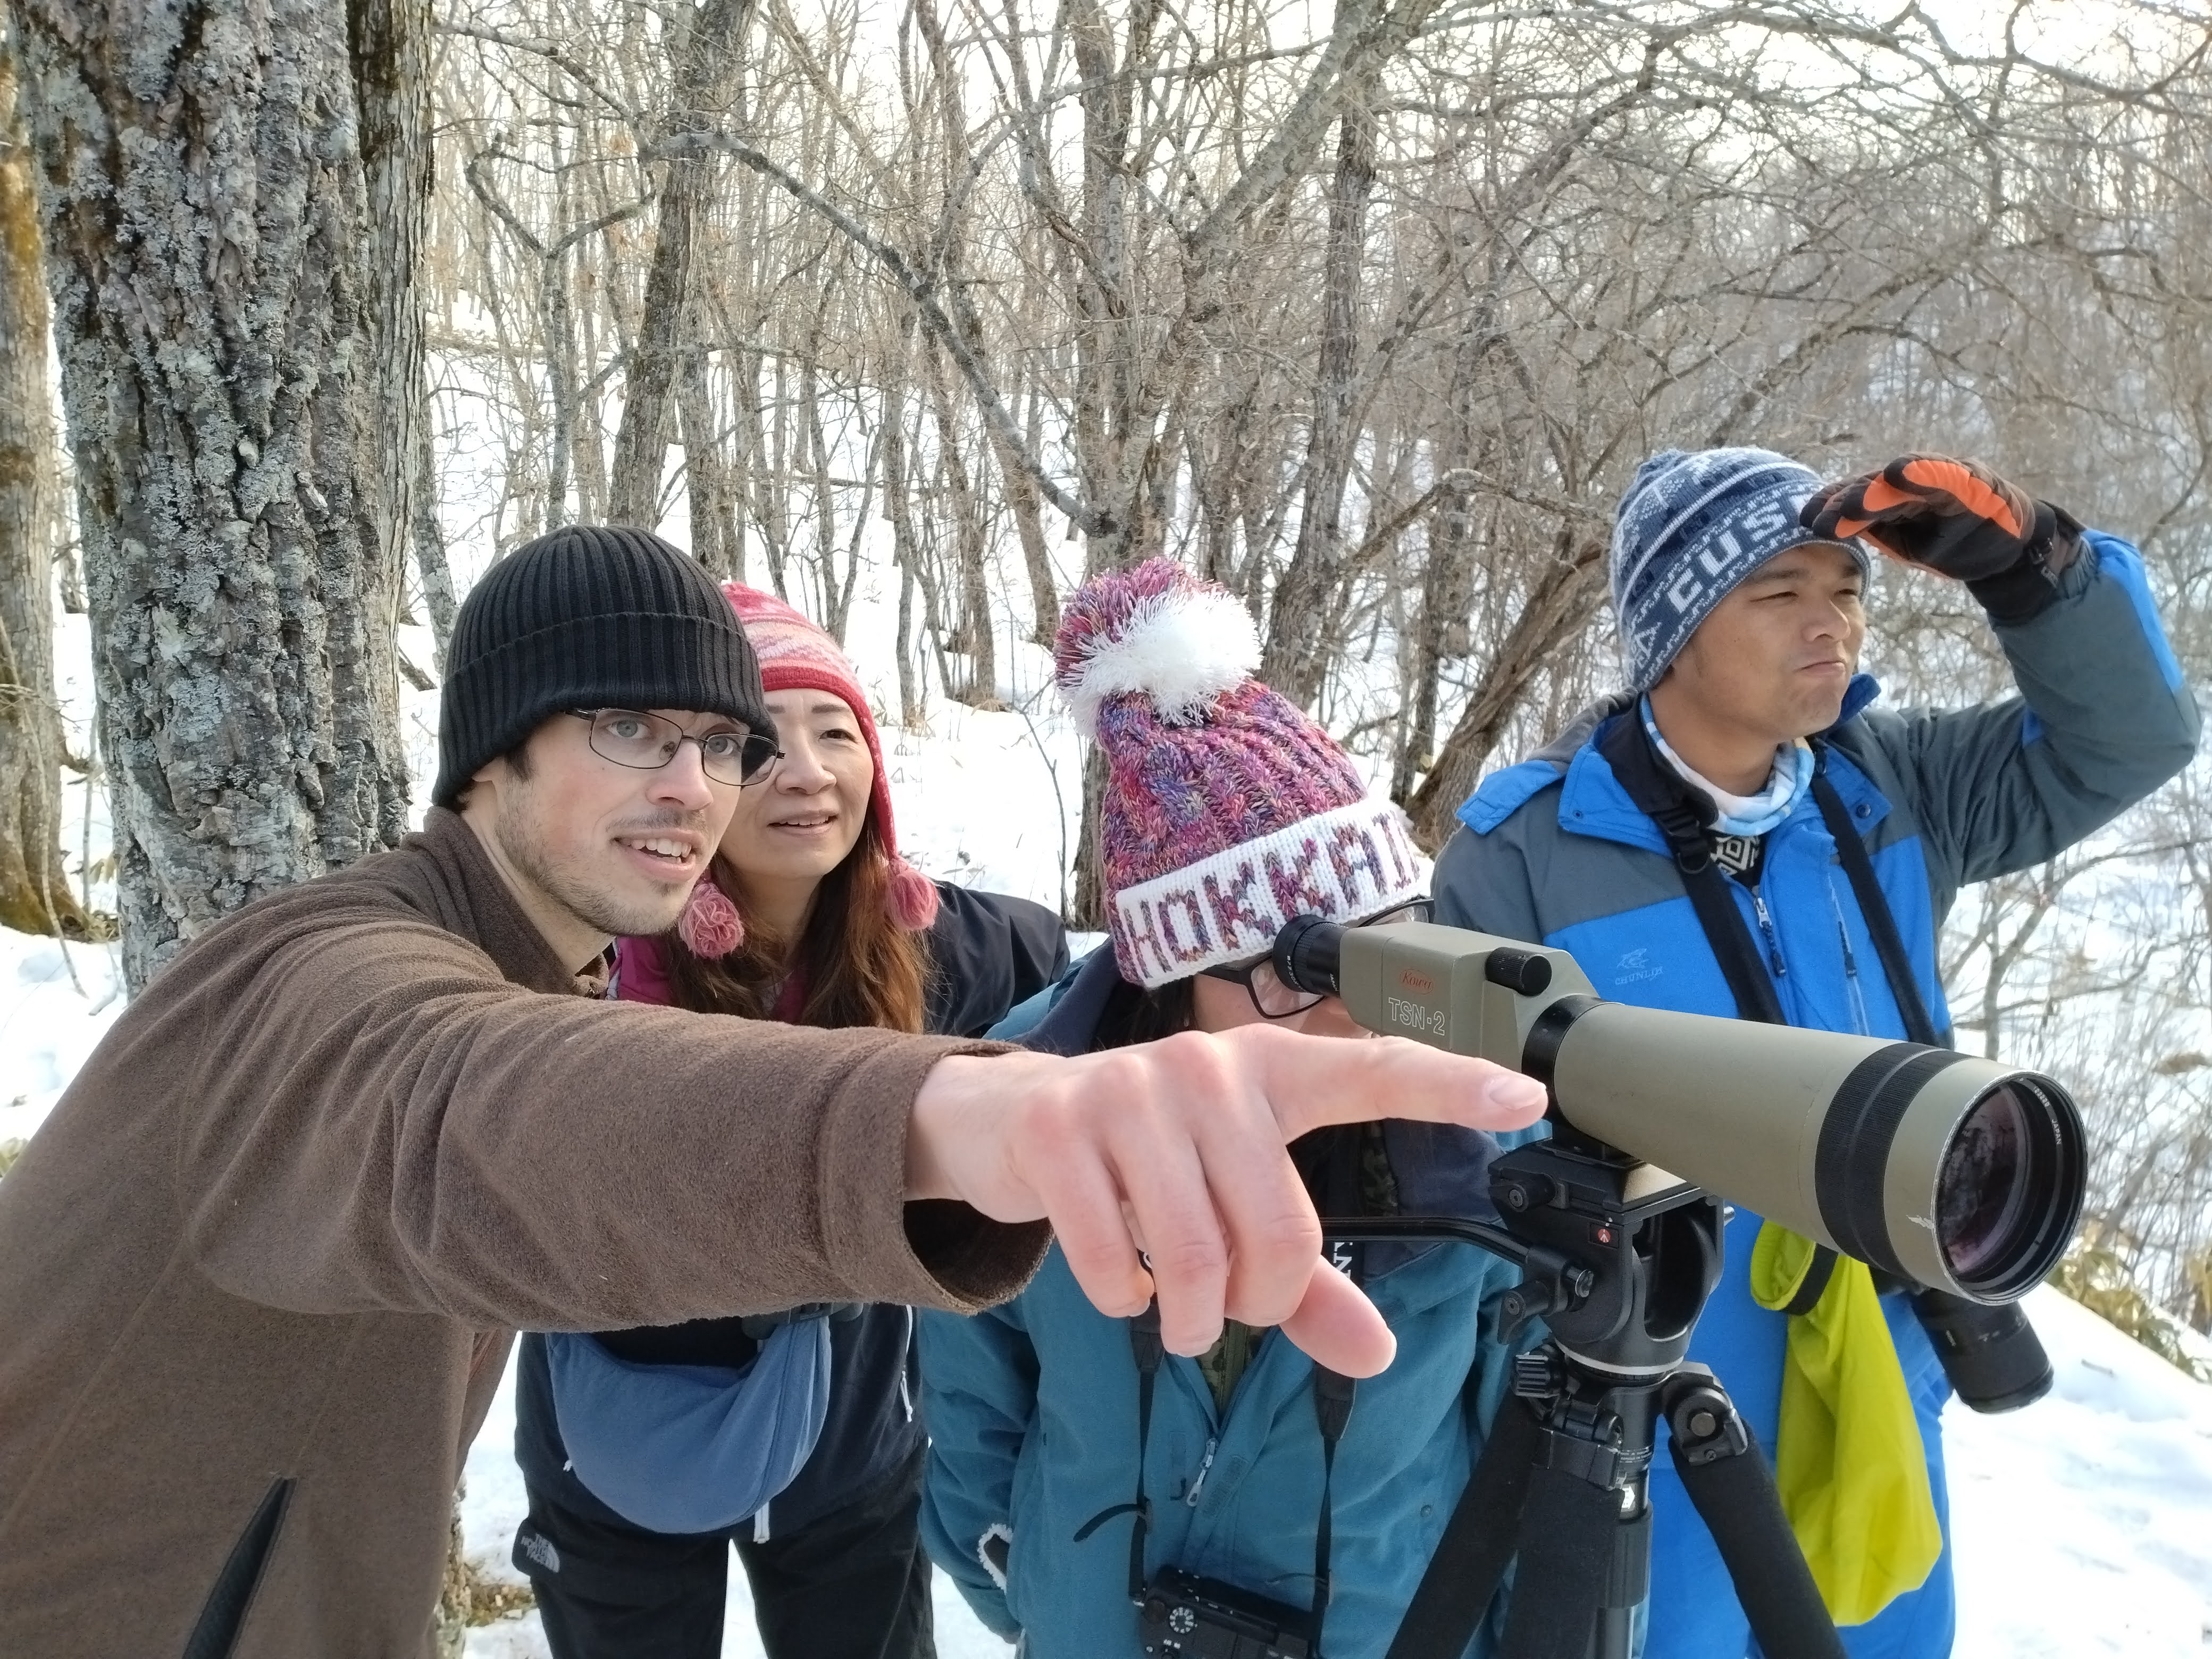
[1958, 519]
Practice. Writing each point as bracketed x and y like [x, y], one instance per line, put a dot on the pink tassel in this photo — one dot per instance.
[710, 925]
[912, 901]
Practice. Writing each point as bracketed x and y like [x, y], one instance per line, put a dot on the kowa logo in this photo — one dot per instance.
[1414, 980]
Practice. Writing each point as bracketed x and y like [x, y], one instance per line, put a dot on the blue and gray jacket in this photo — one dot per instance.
[1553, 850]
[1031, 1409]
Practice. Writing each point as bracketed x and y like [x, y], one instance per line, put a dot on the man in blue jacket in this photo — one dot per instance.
[1737, 583]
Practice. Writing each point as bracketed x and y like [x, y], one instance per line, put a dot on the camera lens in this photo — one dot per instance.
[2001, 1180]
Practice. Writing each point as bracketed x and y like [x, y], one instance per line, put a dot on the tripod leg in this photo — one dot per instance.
[1478, 1541]
[1728, 1480]
[1568, 1529]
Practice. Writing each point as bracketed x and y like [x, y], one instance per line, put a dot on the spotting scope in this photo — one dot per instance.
[1941, 1170]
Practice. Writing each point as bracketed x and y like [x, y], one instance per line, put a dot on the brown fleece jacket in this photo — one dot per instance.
[259, 1270]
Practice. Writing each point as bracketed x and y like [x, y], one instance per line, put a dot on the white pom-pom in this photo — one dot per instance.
[1181, 649]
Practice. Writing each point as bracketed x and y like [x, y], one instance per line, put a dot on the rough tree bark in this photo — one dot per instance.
[1558, 608]
[431, 564]
[706, 61]
[1300, 633]
[34, 891]
[227, 270]
[716, 541]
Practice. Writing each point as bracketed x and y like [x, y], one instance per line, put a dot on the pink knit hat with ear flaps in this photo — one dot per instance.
[796, 655]
[1227, 811]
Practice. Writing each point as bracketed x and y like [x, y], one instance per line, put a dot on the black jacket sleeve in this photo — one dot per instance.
[987, 952]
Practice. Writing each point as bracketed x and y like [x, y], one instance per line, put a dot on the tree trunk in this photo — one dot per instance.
[1299, 630]
[906, 551]
[224, 292]
[1440, 631]
[970, 538]
[430, 562]
[1559, 606]
[389, 44]
[34, 891]
[715, 542]
[1024, 504]
[1023, 501]
[706, 64]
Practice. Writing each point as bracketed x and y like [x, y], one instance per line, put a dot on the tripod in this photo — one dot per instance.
[1618, 1258]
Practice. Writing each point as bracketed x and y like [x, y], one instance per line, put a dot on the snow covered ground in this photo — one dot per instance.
[2084, 1523]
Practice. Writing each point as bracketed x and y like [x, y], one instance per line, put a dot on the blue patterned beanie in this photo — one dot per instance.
[1690, 528]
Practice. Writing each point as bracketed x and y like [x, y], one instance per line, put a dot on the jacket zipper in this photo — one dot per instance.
[1766, 927]
[1851, 968]
[1190, 1497]
[906, 1356]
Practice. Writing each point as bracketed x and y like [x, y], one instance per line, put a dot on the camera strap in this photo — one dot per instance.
[1332, 1396]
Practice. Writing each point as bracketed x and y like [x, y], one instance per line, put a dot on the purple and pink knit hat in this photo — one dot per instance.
[1227, 811]
[796, 655]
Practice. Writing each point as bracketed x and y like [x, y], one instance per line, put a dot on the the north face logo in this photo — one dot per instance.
[539, 1548]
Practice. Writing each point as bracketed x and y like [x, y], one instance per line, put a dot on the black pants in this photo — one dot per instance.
[850, 1584]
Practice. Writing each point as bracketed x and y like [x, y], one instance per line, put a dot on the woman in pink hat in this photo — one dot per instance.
[647, 1453]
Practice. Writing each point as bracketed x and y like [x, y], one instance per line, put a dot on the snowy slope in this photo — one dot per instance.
[2084, 1523]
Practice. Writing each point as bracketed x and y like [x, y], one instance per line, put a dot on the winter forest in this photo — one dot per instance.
[920, 312]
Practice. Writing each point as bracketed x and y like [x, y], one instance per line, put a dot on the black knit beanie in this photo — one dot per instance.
[589, 616]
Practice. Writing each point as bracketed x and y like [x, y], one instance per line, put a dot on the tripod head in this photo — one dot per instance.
[1618, 1257]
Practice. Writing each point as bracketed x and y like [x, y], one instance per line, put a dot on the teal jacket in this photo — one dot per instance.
[1031, 1410]
[1553, 850]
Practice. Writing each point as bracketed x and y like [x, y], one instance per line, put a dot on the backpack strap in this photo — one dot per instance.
[1685, 817]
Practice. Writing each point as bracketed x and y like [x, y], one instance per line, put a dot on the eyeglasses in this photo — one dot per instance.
[648, 742]
[1276, 1000]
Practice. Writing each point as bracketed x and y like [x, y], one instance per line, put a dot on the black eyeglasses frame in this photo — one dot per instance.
[757, 751]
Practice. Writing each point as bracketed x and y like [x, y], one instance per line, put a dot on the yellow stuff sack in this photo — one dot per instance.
[1848, 1460]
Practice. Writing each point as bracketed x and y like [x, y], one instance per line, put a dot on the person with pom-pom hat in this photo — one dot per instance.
[809, 915]
[1226, 812]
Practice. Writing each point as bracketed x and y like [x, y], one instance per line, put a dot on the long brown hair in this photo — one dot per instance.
[860, 968]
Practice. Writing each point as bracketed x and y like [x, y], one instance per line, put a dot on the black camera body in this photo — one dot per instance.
[1184, 1616]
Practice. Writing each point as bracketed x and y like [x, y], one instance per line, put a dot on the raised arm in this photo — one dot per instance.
[2103, 717]
[375, 1125]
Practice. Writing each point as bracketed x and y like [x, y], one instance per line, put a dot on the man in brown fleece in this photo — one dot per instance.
[259, 1271]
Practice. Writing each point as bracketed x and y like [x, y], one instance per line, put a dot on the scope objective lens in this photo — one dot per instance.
[2000, 1192]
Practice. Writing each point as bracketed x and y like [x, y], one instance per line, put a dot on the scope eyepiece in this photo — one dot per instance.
[1308, 953]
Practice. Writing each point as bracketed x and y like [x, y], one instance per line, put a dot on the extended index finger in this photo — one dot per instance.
[1313, 1081]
